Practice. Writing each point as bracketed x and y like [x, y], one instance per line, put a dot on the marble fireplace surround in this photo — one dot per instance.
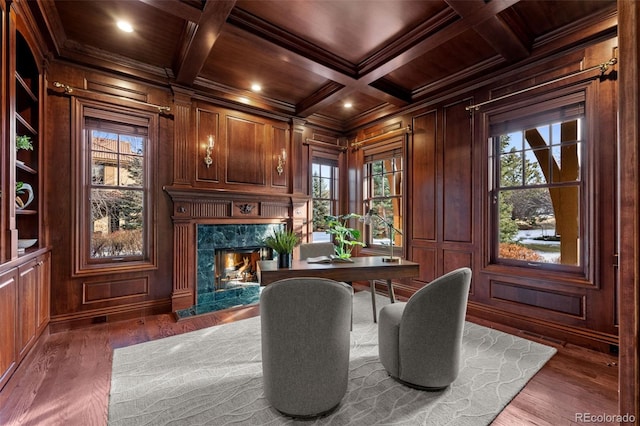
[211, 295]
[206, 220]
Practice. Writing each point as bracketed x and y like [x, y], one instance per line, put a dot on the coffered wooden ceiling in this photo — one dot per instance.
[312, 56]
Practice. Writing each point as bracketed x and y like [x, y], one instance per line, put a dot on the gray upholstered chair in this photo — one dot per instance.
[316, 249]
[305, 344]
[420, 340]
[308, 250]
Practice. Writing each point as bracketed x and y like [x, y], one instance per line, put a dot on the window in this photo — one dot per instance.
[383, 182]
[324, 192]
[538, 187]
[115, 205]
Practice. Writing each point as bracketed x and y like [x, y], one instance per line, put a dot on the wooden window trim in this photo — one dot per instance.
[82, 264]
[536, 108]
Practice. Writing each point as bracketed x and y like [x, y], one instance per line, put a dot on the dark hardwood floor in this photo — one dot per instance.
[65, 380]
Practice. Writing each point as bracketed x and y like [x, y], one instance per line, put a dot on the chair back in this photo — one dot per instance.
[308, 250]
[305, 325]
[432, 326]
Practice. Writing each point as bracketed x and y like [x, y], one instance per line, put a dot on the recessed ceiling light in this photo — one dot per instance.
[348, 104]
[256, 87]
[125, 26]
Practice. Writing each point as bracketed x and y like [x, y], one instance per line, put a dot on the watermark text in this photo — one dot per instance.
[604, 418]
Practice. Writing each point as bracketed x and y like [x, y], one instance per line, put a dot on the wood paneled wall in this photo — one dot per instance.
[446, 202]
[108, 295]
[448, 207]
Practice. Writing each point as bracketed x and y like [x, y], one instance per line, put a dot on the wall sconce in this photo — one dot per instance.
[282, 160]
[207, 158]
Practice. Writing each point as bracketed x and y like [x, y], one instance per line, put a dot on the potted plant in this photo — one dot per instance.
[283, 241]
[345, 238]
[24, 142]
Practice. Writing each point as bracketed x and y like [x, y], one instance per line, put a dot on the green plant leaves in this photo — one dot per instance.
[345, 238]
[282, 241]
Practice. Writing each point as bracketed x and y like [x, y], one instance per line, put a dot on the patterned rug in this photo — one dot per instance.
[214, 377]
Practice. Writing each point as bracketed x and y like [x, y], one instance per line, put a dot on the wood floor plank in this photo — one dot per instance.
[66, 378]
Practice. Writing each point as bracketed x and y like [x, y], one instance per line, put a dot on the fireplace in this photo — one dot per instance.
[226, 270]
[209, 219]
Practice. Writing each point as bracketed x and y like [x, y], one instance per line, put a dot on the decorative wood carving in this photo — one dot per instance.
[246, 209]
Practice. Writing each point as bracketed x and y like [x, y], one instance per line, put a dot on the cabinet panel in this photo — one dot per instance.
[8, 307]
[27, 305]
[44, 291]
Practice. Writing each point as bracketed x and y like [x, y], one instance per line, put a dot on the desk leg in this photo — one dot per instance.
[392, 296]
[373, 299]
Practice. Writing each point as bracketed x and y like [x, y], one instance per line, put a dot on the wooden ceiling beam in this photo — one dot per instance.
[326, 63]
[371, 82]
[176, 8]
[481, 14]
[494, 31]
[342, 73]
[319, 99]
[199, 40]
[49, 14]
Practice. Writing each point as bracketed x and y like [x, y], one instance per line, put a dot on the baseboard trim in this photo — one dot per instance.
[545, 329]
[75, 320]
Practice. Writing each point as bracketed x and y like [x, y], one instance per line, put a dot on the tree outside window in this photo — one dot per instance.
[324, 193]
[116, 194]
[383, 182]
[538, 191]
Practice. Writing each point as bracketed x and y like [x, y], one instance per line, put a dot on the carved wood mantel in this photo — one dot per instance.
[193, 206]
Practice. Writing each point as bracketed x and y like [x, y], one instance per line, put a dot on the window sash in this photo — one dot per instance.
[383, 177]
[562, 208]
[325, 190]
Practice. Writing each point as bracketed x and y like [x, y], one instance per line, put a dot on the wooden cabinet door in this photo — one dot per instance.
[8, 307]
[28, 275]
[44, 292]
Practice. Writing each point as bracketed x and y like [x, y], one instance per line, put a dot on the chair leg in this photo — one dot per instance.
[373, 299]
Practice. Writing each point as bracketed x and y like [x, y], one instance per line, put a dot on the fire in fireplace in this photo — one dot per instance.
[236, 267]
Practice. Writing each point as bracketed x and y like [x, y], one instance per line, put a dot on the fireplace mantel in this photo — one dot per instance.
[194, 206]
[193, 203]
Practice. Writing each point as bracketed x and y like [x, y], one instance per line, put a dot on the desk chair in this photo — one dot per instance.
[305, 326]
[308, 250]
[420, 341]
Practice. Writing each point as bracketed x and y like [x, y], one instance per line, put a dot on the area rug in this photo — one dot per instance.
[214, 377]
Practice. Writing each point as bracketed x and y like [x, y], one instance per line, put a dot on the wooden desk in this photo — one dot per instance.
[362, 268]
